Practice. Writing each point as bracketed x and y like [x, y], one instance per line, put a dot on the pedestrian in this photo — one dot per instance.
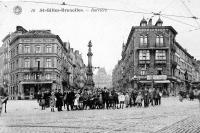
[42, 103]
[1, 105]
[59, 101]
[127, 100]
[52, 101]
[121, 98]
[180, 96]
[133, 97]
[76, 101]
[191, 94]
[139, 99]
[159, 97]
[146, 97]
[5, 100]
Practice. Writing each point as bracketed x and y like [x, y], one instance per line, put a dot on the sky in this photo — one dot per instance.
[107, 29]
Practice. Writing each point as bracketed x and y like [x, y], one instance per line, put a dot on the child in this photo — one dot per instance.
[52, 101]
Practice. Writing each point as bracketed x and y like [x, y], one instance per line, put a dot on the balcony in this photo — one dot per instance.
[36, 69]
[160, 61]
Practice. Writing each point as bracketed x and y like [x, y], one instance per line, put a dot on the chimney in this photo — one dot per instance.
[150, 22]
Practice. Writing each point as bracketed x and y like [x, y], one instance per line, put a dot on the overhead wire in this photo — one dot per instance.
[113, 9]
[178, 21]
[190, 12]
[168, 16]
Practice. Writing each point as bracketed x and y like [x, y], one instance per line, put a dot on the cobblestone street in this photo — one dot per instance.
[171, 116]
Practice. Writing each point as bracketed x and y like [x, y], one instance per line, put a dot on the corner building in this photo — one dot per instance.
[35, 62]
[153, 58]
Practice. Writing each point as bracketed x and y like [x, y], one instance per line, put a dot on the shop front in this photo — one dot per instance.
[156, 81]
[29, 90]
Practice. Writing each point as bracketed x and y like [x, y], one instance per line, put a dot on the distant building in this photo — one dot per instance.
[102, 79]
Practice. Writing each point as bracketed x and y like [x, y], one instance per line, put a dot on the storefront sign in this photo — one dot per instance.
[142, 77]
[156, 77]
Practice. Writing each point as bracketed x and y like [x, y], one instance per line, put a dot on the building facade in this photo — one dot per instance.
[102, 79]
[1, 65]
[152, 58]
[37, 61]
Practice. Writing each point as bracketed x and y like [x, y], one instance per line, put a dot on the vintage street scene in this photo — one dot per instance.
[100, 66]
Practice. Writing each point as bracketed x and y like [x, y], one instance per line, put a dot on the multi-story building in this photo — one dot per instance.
[79, 71]
[1, 66]
[34, 61]
[153, 58]
[102, 79]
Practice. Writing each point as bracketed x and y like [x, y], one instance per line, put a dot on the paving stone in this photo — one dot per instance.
[171, 117]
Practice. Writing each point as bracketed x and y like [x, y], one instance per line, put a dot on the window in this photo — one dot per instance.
[143, 24]
[37, 49]
[17, 65]
[143, 40]
[27, 63]
[37, 76]
[48, 76]
[26, 49]
[17, 50]
[144, 55]
[159, 72]
[159, 40]
[48, 62]
[27, 76]
[37, 62]
[48, 49]
[143, 72]
[160, 55]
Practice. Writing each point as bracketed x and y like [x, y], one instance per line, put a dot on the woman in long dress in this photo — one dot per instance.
[76, 101]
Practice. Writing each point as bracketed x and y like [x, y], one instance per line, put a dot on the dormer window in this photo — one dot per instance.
[143, 22]
[159, 22]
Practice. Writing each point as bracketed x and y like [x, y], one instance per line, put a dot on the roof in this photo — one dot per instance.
[148, 27]
[184, 50]
[37, 34]
[143, 21]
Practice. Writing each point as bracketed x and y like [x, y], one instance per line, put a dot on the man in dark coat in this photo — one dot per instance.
[59, 101]
[146, 97]
[71, 99]
[133, 97]
[104, 97]
[5, 100]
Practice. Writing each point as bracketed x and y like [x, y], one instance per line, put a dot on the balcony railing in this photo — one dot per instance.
[160, 61]
[36, 69]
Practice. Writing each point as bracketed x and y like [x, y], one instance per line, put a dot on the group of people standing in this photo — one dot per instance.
[100, 99]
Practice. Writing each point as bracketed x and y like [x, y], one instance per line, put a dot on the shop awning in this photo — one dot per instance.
[162, 81]
[44, 82]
